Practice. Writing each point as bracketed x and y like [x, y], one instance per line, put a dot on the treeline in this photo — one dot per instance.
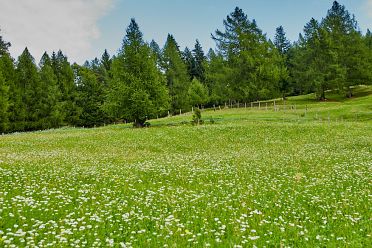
[144, 81]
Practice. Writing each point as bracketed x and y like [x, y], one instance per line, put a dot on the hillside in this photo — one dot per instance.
[297, 177]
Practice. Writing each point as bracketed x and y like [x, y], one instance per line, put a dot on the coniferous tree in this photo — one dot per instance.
[91, 96]
[281, 42]
[6, 79]
[349, 54]
[198, 94]
[4, 104]
[4, 46]
[189, 60]
[155, 48]
[368, 39]
[106, 61]
[199, 58]
[176, 74]
[52, 112]
[7, 69]
[216, 71]
[65, 80]
[29, 85]
[283, 46]
[138, 91]
[253, 67]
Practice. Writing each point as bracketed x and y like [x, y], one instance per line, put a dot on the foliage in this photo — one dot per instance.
[198, 94]
[253, 67]
[176, 74]
[196, 117]
[137, 89]
[143, 81]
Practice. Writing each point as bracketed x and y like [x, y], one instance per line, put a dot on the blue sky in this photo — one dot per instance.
[84, 28]
[197, 19]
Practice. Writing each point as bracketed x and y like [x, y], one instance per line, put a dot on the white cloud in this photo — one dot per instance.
[47, 25]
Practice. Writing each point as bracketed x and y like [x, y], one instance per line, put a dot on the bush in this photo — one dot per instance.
[196, 117]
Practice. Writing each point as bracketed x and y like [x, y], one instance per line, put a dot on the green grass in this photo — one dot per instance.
[255, 177]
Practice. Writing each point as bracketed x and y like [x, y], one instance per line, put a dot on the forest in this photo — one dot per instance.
[144, 81]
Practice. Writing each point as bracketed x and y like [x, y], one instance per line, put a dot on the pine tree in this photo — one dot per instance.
[349, 54]
[52, 111]
[106, 61]
[216, 71]
[65, 81]
[8, 72]
[138, 91]
[198, 94]
[155, 48]
[281, 42]
[252, 72]
[189, 60]
[4, 104]
[29, 84]
[4, 46]
[199, 58]
[283, 46]
[6, 79]
[176, 73]
[368, 39]
[91, 96]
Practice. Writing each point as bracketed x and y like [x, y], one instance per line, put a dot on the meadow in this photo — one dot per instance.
[297, 177]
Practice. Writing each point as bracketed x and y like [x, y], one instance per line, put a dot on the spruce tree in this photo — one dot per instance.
[105, 63]
[198, 94]
[155, 48]
[252, 64]
[4, 46]
[29, 85]
[91, 96]
[7, 68]
[189, 60]
[178, 80]
[6, 80]
[281, 42]
[199, 58]
[4, 104]
[138, 91]
[52, 111]
[216, 71]
[283, 46]
[65, 81]
[349, 64]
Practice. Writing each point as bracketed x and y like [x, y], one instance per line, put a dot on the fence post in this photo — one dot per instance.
[266, 106]
[259, 105]
[274, 105]
[251, 104]
[245, 105]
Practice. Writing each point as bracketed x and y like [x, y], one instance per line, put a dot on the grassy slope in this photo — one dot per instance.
[255, 177]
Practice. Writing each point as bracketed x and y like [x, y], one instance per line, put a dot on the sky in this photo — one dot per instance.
[82, 29]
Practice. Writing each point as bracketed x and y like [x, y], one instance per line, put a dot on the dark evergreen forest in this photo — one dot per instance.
[145, 81]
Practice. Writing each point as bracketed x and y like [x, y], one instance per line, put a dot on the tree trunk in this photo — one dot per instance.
[322, 96]
[349, 93]
[284, 97]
